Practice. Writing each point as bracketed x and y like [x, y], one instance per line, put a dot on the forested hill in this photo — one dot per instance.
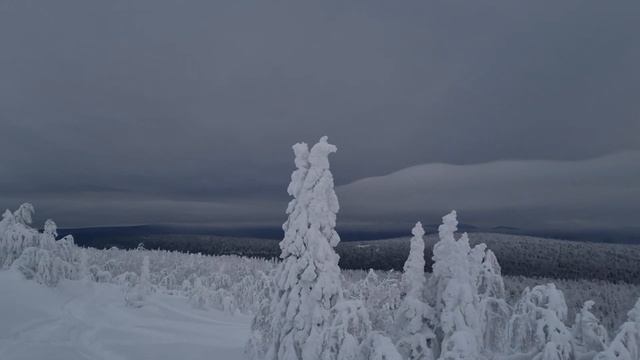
[519, 255]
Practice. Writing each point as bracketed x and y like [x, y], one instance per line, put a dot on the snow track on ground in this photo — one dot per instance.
[91, 321]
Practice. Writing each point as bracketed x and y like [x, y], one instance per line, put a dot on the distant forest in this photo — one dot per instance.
[518, 255]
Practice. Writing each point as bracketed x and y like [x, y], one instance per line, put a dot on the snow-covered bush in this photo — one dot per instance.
[199, 295]
[16, 234]
[537, 327]
[136, 295]
[349, 328]
[379, 347]
[381, 296]
[37, 256]
[626, 344]
[588, 334]
[42, 266]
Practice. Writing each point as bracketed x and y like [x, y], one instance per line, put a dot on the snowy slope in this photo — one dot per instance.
[91, 321]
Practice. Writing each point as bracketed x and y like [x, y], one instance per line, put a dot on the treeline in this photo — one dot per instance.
[519, 255]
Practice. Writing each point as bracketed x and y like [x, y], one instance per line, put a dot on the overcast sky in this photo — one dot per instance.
[151, 111]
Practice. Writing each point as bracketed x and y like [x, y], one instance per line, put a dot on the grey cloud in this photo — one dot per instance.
[200, 101]
[590, 194]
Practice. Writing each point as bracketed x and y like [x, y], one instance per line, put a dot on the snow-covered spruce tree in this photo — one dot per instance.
[536, 327]
[266, 338]
[494, 310]
[589, 336]
[626, 344]
[415, 318]
[305, 322]
[454, 280]
[490, 282]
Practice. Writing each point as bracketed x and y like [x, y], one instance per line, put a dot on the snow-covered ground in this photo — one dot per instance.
[91, 321]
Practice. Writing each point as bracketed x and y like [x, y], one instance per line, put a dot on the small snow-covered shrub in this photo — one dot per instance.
[103, 276]
[537, 326]
[349, 328]
[626, 344]
[380, 347]
[199, 295]
[588, 334]
[136, 294]
[16, 235]
[39, 255]
[43, 266]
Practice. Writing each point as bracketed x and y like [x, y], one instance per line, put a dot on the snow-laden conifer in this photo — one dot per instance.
[413, 270]
[308, 318]
[454, 280]
[493, 309]
[415, 318]
[307, 282]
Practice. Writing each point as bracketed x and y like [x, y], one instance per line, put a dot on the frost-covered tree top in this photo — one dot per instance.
[413, 276]
[50, 227]
[448, 227]
[24, 213]
[451, 258]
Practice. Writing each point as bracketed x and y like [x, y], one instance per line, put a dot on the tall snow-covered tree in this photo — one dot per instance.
[415, 318]
[307, 283]
[413, 270]
[309, 318]
[454, 280]
[490, 282]
[493, 308]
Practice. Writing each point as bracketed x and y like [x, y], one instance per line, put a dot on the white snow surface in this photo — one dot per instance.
[79, 320]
